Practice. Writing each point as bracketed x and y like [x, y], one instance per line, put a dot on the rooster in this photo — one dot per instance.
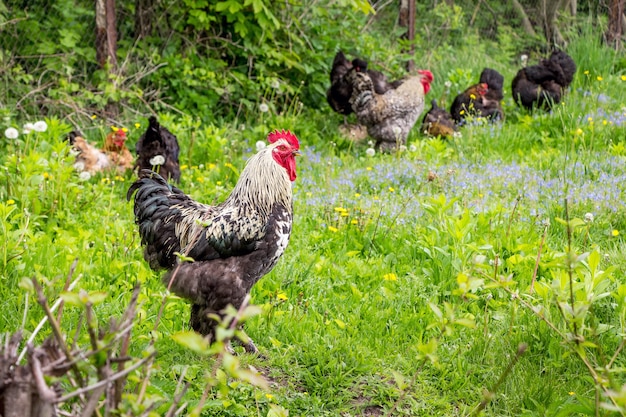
[389, 117]
[542, 85]
[157, 142]
[438, 122]
[114, 154]
[340, 91]
[232, 244]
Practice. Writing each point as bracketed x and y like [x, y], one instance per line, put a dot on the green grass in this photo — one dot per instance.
[400, 290]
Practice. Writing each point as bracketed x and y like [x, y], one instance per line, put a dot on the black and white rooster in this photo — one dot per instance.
[232, 244]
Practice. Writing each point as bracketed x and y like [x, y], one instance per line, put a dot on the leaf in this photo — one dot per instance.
[71, 298]
[340, 323]
[192, 341]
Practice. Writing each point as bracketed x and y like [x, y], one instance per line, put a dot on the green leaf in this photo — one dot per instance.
[192, 340]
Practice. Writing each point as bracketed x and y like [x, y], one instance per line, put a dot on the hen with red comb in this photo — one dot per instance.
[228, 247]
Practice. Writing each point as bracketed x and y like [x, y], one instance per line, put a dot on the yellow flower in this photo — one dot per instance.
[604, 122]
[615, 232]
[390, 277]
[201, 179]
[219, 183]
[228, 165]
[586, 72]
[357, 195]
[571, 393]
[124, 130]
[368, 168]
[579, 131]
[473, 96]
[281, 296]
[94, 117]
[391, 189]
[269, 396]
[115, 129]
[333, 229]
[462, 112]
[137, 125]
[599, 78]
[10, 202]
[345, 214]
[340, 209]
[623, 77]
[184, 166]
[354, 221]
[46, 175]
[119, 178]
[590, 119]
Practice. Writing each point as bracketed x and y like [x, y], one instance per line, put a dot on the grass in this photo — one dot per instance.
[406, 287]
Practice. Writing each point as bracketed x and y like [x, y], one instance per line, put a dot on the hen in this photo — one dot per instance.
[114, 155]
[438, 122]
[480, 100]
[542, 85]
[232, 244]
[389, 117]
[340, 91]
[158, 149]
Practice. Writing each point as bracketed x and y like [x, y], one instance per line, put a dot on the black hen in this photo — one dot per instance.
[438, 122]
[482, 99]
[158, 149]
[340, 91]
[543, 85]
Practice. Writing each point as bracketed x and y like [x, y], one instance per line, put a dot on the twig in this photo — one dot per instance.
[56, 329]
[66, 287]
[45, 319]
[108, 380]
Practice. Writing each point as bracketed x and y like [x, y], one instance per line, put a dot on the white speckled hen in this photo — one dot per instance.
[232, 244]
[389, 117]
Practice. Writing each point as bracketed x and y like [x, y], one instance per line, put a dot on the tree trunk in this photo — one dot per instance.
[403, 18]
[528, 27]
[106, 34]
[410, 66]
[106, 43]
[615, 31]
[551, 31]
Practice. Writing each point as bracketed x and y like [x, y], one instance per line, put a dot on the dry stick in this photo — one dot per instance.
[66, 287]
[45, 319]
[619, 349]
[127, 317]
[490, 393]
[41, 299]
[106, 381]
[178, 397]
[543, 239]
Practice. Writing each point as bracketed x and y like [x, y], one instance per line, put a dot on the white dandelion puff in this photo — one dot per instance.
[275, 84]
[28, 127]
[11, 133]
[396, 130]
[84, 176]
[588, 217]
[157, 160]
[412, 148]
[264, 108]
[448, 84]
[40, 126]
[260, 145]
[79, 166]
[370, 152]
[457, 135]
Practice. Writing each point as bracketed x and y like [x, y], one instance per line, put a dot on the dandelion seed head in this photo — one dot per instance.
[370, 152]
[28, 127]
[157, 160]
[11, 133]
[84, 176]
[260, 145]
[588, 217]
[264, 108]
[40, 126]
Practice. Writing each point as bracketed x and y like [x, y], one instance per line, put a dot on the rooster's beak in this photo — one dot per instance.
[296, 152]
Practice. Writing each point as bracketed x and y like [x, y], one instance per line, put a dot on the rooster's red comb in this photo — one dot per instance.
[284, 134]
